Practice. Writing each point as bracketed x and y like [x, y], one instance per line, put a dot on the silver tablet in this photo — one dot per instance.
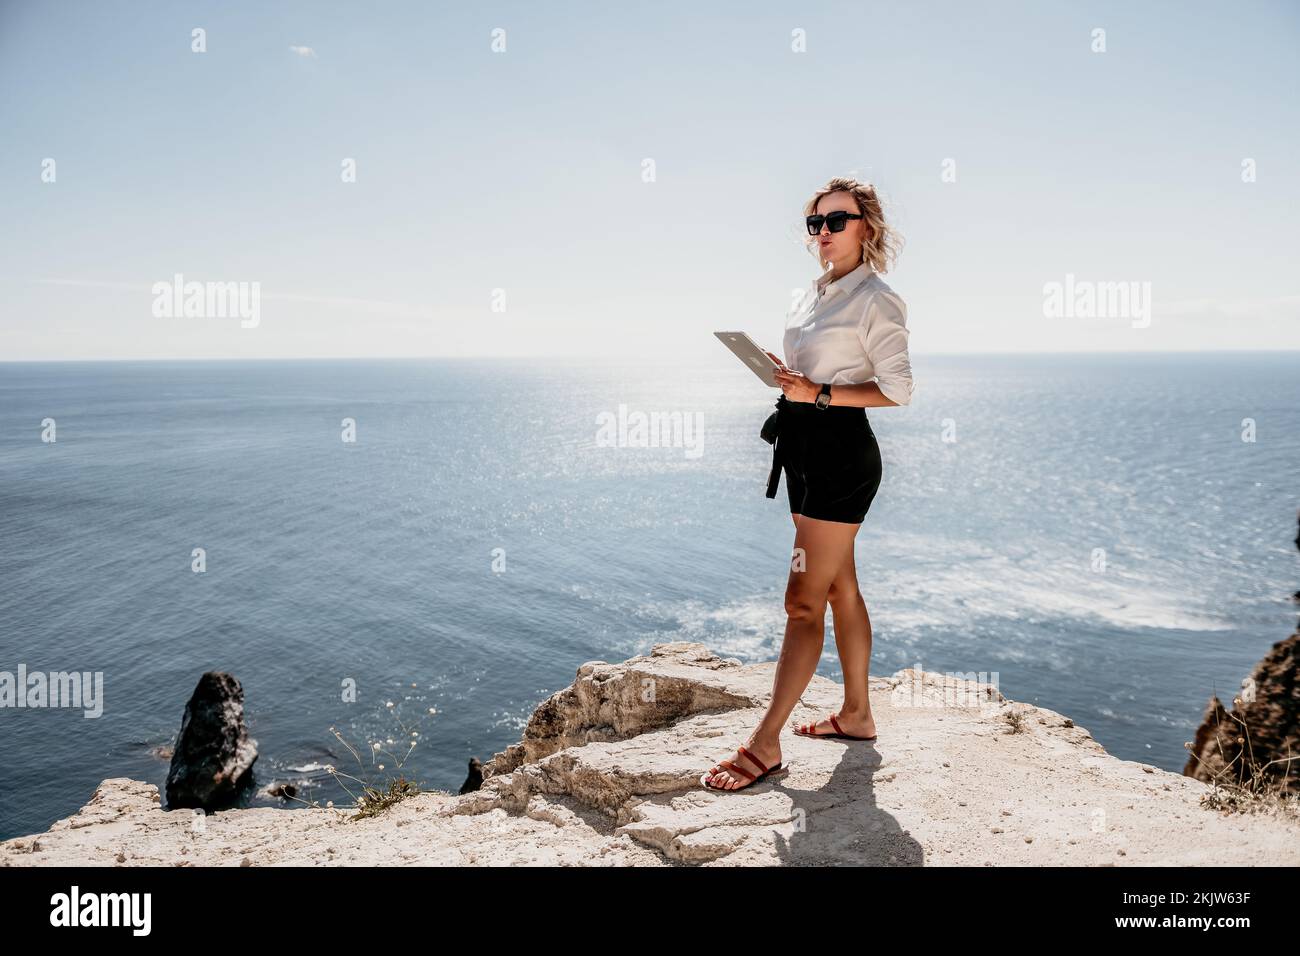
[747, 350]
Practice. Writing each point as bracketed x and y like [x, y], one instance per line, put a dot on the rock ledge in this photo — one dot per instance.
[607, 774]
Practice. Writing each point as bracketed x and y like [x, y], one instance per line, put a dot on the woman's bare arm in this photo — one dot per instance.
[799, 388]
[865, 395]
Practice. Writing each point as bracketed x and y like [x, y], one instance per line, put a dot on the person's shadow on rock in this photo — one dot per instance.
[840, 823]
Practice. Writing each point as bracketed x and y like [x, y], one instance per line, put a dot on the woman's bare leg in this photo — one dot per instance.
[821, 548]
[853, 641]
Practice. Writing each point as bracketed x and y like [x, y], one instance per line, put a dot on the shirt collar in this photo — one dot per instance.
[845, 283]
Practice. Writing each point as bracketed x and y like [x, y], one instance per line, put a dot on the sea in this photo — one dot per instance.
[399, 559]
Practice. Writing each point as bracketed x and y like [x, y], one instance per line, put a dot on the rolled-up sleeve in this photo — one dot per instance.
[883, 334]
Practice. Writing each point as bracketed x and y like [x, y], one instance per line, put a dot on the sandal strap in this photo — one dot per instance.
[734, 769]
[749, 756]
[835, 723]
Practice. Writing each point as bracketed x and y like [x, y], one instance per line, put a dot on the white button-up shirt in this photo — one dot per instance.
[850, 331]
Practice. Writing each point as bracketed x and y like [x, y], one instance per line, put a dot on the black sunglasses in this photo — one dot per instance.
[835, 220]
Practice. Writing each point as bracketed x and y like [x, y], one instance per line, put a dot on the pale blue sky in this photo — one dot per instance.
[521, 171]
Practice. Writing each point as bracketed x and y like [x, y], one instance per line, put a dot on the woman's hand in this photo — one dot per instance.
[796, 386]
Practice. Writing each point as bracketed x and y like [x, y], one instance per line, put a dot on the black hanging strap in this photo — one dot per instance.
[771, 433]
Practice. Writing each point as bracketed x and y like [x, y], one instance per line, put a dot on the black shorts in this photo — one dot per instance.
[830, 459]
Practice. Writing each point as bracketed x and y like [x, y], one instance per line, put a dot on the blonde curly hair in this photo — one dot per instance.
[883, 243]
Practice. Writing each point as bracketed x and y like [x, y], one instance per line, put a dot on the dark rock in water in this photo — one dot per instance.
[285, 790]
[475, 778]
[214, 755]
[1269, 707]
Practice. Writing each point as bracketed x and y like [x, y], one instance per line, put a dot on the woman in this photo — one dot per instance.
[849, 329]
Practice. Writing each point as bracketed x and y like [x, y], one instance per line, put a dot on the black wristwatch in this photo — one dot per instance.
[824, 396]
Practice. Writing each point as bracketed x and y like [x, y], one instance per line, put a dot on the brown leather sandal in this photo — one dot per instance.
[740, 771]
[839, 731]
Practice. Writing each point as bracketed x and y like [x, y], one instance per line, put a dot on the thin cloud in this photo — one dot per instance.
[1281, 307]
[303, 50]
[377, 306]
